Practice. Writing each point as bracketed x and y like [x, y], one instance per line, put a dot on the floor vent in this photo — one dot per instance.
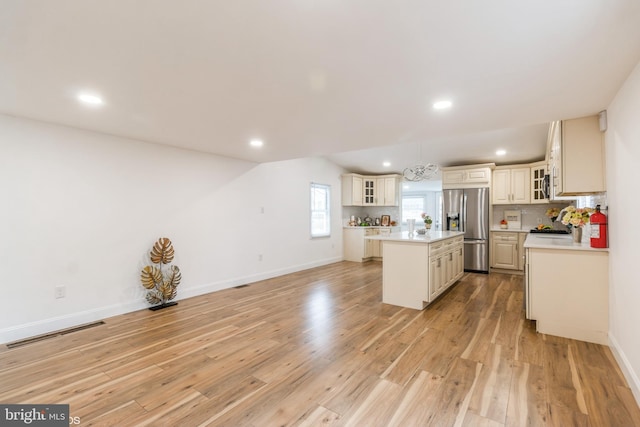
[240, 286]
[54, 334]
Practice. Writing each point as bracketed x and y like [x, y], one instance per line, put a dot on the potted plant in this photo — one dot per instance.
[427, 220]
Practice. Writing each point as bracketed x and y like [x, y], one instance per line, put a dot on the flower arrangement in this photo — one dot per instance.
[576, 217]
[552, 213]
[427, 220]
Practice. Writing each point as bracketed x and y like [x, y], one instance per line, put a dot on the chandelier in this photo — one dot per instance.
[420, 172]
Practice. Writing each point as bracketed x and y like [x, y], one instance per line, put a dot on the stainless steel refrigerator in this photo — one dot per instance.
[468, 210]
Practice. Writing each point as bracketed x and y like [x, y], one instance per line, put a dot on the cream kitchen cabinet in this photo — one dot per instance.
[369, 191]
[507, 250]
[467, 176]
[372, 247]
[538, 193]
[360, 190]
[511, 186]
[504, 250]
[358, 249]
[567, 292]
[415, 271]
[576, 157]
[446, 265]
[352, 190]
[388, 191]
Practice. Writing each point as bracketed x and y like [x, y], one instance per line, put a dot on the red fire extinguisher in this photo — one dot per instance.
[598, 222]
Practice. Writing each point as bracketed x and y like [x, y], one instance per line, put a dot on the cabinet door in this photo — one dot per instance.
[501, 187]
[447, 262]
[477, 175]
[582, 156]
[520, 184]
[357, 191]
[453, 177]
[505, 251]
[456, 262]
[390, 192]
[460, 261]
[372, 247]
[435, 276]
[369, 191]
[351, 190]
[537, 190]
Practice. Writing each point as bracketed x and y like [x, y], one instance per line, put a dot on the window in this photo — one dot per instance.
[417, 202]
[320, 210]
[412, 207]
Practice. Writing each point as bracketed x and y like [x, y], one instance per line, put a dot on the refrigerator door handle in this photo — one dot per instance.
[463, 214]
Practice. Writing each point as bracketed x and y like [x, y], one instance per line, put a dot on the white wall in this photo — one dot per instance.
[623, 175]
[82, 209]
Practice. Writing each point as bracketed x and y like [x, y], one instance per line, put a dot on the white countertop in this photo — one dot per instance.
[430, 237]
[557, 241]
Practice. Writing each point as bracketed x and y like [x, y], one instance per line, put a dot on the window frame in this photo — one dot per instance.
[326, 211]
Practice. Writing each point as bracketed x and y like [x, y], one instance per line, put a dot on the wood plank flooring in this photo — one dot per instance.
[319, 348]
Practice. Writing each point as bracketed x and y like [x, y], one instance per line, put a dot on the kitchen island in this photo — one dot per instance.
[567, 288]
[417, 269]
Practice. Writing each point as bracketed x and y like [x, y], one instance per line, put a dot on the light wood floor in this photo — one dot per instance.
[319, 348]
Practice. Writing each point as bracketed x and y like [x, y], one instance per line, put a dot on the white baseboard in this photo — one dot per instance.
[625, 366]
[18, 332]
[52, 324]
[226, 284]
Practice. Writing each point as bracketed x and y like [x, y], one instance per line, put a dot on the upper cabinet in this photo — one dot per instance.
[511, 186]
[539, 190]
[388, 194]
[576, 157]
[352, 190]
[467, 176]
[360, 190]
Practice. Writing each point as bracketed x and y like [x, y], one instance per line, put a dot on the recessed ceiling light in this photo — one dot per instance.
[442, 105]
[256, 143]
[386, 164]
[501, 152]
[90, 99]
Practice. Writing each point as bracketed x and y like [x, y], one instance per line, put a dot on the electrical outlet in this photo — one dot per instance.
[259, 257]
[60, 291]
[539, 220]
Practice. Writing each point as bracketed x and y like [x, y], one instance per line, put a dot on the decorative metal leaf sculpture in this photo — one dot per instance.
[162, 285]
[154, 298]
[150, 277]
[162, 251]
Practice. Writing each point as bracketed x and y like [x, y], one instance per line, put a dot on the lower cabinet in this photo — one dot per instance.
[567, 293]
[372, 247]
[415, 273]
[507, 250]
[357, 248]
[446, 265]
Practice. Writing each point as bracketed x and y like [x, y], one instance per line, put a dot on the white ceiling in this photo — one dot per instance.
[351, 80]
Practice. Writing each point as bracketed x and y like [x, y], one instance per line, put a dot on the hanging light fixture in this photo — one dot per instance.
[420, 171]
